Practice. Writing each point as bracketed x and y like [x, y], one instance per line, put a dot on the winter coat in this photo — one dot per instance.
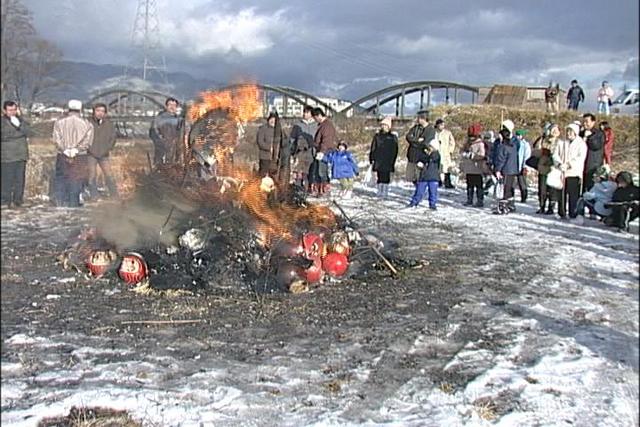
[104, 137]
[165, 129]
[524, 152]
[595, 152]
[575, 94]
[600, 194]
[493, 152]
[301, 140]
[507, 158]
[626, 194]
[608, 145]
[14, 146]
[605, 94]
[447, 146]
[570, 156]
[547, 147]
[73, 131]
[476, 164]
[384, 151]
[326, 137]
[272, 143]
[431, 165]
[551, 94]
[416, 133]
[343, 165]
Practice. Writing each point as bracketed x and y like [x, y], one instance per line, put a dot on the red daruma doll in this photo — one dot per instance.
[133, 268]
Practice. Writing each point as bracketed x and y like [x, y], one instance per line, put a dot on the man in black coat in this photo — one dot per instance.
[575, 96]
[167, 133]
[14, 154]
[383, 155]
[594, 138]
[418, 138]
[624, 203]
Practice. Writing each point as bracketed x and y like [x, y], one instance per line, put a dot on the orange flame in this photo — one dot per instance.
[273, 220]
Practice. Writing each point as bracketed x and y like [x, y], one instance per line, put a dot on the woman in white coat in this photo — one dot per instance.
[569, 156]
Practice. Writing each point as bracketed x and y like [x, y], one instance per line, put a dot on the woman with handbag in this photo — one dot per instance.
[568, 161]
[546, 144]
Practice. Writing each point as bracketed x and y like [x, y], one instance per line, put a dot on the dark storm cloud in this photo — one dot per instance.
[334, 45]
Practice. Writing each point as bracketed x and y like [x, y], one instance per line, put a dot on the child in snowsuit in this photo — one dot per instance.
[344, 168]
[428, 162]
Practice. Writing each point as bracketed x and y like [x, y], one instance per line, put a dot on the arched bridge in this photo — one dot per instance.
[371, 103]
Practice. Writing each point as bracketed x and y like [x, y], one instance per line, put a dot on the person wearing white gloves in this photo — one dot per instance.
[73, 135]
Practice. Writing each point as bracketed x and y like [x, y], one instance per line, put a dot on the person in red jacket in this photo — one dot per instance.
[608, 141]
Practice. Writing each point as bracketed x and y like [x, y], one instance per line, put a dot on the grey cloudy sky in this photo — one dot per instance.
[332, 46]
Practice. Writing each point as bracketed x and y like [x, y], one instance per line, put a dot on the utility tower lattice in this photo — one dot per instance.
[145, 41]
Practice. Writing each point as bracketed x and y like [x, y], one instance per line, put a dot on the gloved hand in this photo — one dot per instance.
[563, 167]
[420, 165]
[320, 155]
[70, 152]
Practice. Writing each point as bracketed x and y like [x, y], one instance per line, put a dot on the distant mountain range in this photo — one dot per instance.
[82, 80]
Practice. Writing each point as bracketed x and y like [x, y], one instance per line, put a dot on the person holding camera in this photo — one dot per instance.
[474, 165]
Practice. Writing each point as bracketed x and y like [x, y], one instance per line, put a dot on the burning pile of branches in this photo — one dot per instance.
[212, 222]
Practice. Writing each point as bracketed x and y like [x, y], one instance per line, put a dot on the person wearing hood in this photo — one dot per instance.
[598, 196]
[624, 203]
[428, 180]
[546, 145]
[344, 168]
[569, 157]
[524, 152]
[15, 153]
[506, 163]
[595, 139]
[473, 165]
[383, 155]
[446, 148]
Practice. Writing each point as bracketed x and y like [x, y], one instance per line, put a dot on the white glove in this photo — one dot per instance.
[70, 152]
[420, 165]
[563, 167]
[320, 156]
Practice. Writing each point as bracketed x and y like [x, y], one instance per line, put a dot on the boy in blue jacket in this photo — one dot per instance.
[429, 165]
[344, 168]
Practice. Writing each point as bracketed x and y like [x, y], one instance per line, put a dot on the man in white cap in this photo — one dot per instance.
[73, 136]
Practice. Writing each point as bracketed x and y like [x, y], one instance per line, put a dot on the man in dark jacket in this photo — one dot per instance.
[166, 133]
[324, 141]
[104, 138]
[594, 138]
[418, 138]
[624, 203]
[14, 154]
[507, 165]
[383, 154]
[575, 96]
[274, 152]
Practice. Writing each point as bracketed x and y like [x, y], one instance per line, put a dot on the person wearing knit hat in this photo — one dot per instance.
[569, 156]
[509, 125]
[446, 149]
[598, 196]
[383, 155]
[429, 166]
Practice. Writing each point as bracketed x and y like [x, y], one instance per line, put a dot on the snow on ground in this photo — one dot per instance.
[560, 350]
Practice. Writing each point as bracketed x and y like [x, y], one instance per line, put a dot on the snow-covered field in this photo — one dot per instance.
[557, 346]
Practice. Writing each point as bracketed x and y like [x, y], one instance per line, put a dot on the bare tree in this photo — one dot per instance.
[28, 62]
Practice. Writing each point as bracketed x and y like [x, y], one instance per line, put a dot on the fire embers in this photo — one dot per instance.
[100, 261]
[311, 260]
[133, 268]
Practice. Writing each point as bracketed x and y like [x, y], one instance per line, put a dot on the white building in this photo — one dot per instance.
[294, 109]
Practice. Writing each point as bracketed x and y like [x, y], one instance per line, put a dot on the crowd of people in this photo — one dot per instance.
[572, 162]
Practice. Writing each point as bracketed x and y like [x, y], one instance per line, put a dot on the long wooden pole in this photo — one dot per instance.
[384, 259]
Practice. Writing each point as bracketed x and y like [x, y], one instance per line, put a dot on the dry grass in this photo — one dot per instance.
[486, 409]
[91, 417]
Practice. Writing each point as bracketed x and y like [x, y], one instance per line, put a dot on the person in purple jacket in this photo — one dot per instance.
[344, 168]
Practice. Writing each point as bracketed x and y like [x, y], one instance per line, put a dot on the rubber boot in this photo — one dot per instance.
[551, 209]
[385, 191]
[447, 181]
[380, 190]
[480, 202]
